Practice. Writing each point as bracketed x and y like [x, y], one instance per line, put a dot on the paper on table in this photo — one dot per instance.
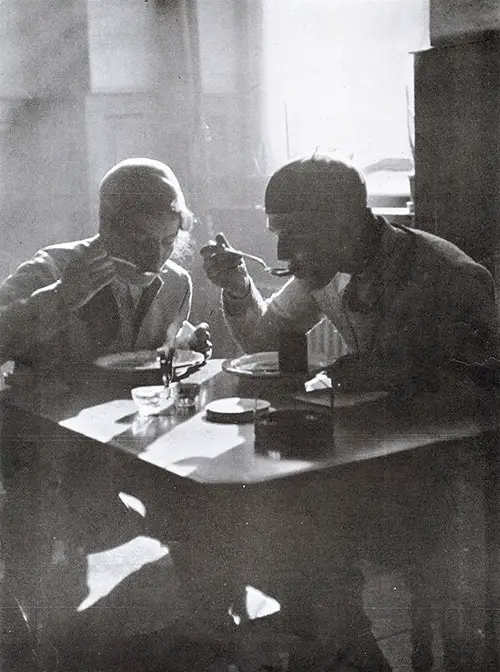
[319, 382]
[323, 397]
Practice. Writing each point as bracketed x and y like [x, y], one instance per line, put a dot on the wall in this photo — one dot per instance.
[336, 75]
[229, 67]
[141, 84]
[452, 20]
[227, 33]
[86, 83]
[83, 84]
[43, 79]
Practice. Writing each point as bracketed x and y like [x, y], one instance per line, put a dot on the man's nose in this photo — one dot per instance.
[284, 252]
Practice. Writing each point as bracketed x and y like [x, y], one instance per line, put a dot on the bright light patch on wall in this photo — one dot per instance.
[133, 503]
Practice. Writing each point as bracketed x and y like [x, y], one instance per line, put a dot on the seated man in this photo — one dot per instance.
[72, 302]
[117, 291]
[404, 301]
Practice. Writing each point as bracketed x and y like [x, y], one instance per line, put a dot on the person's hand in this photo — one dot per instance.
[201, 341]
[225, 267]
[85, 276]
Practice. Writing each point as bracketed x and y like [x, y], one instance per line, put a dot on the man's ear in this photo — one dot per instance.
[186, 221]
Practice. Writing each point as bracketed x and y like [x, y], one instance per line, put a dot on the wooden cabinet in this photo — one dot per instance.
[457, 144]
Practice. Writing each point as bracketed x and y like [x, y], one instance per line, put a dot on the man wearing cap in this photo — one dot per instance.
[115, 292]
[404, 301]
[72, 302]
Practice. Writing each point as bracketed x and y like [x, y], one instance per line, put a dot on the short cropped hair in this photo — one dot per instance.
[315, 183]
[139, 185]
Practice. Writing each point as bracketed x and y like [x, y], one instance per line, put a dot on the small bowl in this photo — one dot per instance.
[152, 399]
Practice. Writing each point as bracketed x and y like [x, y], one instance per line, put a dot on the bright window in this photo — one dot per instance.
[338, 75]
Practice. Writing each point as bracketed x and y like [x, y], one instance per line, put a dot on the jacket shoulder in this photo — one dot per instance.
[69, 249]
[442, 256]
[440, 248]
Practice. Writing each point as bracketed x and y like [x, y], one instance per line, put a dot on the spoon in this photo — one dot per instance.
[123, 262]
[274, 270]
[130, 271]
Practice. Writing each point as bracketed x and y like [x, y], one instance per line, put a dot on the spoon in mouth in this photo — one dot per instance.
[280, 272]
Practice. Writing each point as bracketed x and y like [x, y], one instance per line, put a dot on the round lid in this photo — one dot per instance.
[235, 409]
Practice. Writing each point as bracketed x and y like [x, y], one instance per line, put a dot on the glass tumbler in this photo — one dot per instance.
[187, 395]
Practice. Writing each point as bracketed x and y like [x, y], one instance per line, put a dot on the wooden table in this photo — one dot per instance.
[388, 470]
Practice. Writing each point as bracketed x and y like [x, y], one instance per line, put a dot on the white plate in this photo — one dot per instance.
[144, 360]
[237, 406]
[235, 409]
[264, 365]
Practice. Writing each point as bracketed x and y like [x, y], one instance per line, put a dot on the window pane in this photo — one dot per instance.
[337, 74]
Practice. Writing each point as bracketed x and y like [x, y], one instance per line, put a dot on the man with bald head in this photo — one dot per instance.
[405, 303]
[115, 292]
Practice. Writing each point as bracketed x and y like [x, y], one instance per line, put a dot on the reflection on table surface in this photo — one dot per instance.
[186, 444]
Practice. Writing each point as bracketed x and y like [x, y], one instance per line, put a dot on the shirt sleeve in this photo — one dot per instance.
[256, 324]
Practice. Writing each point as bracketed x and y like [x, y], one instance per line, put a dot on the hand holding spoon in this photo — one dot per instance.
[274, 270]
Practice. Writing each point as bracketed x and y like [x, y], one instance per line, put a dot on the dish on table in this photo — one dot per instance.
[236, 410]
[147, 360]
[152, 399]
[265, 365]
